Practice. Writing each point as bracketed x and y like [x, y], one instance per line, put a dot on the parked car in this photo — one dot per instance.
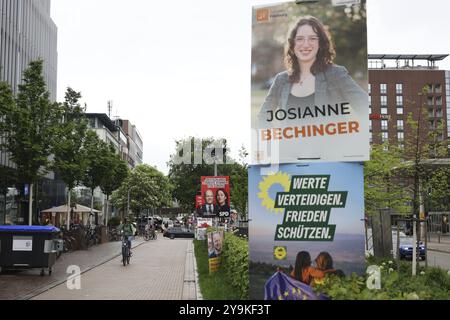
[177, 232]
[406, 249]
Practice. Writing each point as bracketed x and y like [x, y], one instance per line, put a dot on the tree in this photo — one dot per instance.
[98, 154]
[118, 173]
[69, 159]
[29, 125]
[144, 188]
[239, 183]
[6, 105]
[185, 177]
[382, 188]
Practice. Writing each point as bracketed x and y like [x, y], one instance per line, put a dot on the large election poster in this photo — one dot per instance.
[308, 215]
[216, 197]
[309, 82]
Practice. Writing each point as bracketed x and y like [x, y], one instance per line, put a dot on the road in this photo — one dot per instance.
[159, 270]
[438, 259]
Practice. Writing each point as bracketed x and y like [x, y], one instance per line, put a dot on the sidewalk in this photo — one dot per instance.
[439, 245]
[159, 270]
[26, 284]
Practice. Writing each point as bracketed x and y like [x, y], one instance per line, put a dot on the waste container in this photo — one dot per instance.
[26, 247]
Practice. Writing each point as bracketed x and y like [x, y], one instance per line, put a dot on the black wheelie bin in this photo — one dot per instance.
[26, 247]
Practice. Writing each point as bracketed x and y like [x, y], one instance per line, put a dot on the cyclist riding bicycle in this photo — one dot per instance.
[128, 230]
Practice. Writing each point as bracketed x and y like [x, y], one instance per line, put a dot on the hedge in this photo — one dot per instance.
[235, 262]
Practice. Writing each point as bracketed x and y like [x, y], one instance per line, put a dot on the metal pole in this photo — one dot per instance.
[128, 203]
[426, 243]
[398, 244]
[414, 256]
[215, 168]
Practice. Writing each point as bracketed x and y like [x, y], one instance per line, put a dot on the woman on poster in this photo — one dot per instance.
[311, 79]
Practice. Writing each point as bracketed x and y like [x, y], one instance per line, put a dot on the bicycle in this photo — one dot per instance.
[126, 250]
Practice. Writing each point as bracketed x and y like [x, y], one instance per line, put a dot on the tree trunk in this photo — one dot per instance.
[68, 209]
[30, 205]
[106, 212]
[92, 206]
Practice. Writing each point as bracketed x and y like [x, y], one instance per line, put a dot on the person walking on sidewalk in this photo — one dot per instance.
[128, 230]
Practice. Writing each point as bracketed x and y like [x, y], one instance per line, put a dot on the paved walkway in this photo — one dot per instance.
[441, 244]
[159, 270]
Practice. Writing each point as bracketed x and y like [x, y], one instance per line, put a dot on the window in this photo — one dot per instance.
[399, 124]
[92, 123]
[370, 88]
[370, 110]
[384, 124]
[430, 101]
[370, 100]
[399, 110]
[438, 101]
[401, 145]
[437, 88]
[384, 136]
[399, 88]
[383, 101]
[400, 136]
[384, 111]
[383, 88]
[399, 100]
[370, 125]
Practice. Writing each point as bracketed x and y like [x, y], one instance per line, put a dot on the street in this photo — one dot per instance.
[438, 259]
[159, 270]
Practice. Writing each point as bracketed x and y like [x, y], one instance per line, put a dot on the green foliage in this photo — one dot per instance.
[98, 154]
[235, 263]
[214, 286]
[69, 159]
[396, 284]
[147, 188]
[30, 123]
[114, 221]
[382, 189]
[185, 177]
[117, 174]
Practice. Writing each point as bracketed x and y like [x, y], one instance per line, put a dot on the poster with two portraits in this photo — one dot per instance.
[215, 198]
[310, 136]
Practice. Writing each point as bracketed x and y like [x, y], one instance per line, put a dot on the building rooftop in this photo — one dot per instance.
[405, 61]
[103, 117]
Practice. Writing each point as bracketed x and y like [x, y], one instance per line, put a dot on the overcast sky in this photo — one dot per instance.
[182, 68]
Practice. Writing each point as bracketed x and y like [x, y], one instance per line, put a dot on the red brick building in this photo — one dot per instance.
[394, 84]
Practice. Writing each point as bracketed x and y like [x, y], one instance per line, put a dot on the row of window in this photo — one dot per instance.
[383, 100]
[384, 125]
[383, 88]
[385, 136]
[433, 88]
[384, 110]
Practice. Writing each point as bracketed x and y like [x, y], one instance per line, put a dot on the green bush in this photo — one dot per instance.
[114, 221]
[235, 263]
[397, 283]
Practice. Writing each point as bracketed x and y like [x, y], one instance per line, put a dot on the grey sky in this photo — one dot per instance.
[181, 68]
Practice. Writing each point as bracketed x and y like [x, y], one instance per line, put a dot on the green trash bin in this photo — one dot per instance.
[29, 247]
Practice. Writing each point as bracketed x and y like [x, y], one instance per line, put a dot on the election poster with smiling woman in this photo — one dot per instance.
[308, 220]
[309, 82]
